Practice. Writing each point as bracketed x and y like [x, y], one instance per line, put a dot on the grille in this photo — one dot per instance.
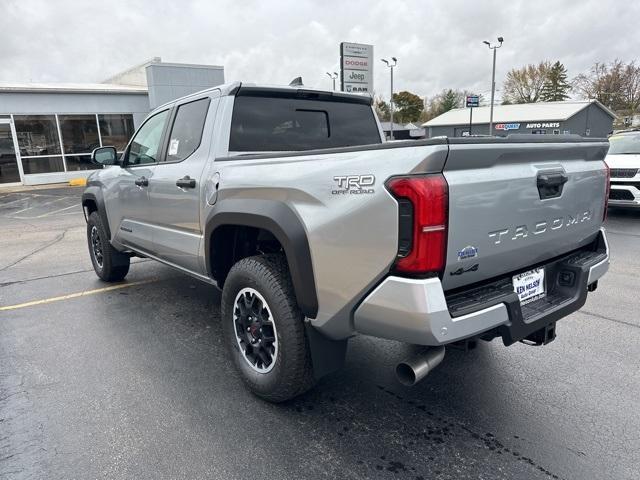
[623, 172]
[618, 194]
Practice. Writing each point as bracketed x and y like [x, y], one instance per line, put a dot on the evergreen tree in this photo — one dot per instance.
[450, 100]
[556, 88]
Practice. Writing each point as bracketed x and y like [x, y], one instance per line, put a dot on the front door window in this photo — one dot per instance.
[145, 146]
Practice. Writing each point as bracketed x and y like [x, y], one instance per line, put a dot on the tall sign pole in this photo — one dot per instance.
[391, 102]
[391, 64]
[472, 101]
[493, 80]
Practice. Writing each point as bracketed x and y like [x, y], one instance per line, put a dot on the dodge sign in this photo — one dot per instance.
[356, 68]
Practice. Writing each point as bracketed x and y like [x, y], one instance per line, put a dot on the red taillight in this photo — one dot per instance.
[607, 191]
[429, 198]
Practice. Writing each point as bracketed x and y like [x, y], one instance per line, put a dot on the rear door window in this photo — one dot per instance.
[186, 132]
[262, 124]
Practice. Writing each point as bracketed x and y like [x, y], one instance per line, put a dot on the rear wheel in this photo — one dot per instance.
[264, 328]
[109, 264]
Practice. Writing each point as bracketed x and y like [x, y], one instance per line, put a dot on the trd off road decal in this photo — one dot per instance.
[353, 184]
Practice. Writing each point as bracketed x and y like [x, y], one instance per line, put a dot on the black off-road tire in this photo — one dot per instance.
[109, 264]
[292, 372]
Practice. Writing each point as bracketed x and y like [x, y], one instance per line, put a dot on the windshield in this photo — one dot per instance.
[624, 144]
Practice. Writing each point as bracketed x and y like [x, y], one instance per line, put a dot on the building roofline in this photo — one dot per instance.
[582, 103]
[188, 65]
[72, 88]
[135, 68]
[605, 108]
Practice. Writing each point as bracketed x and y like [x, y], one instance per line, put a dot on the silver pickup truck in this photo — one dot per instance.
[316, 229]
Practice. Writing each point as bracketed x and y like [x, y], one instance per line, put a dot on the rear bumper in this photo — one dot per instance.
[418, 311]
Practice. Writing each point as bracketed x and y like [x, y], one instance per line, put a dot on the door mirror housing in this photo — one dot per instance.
[105, 156]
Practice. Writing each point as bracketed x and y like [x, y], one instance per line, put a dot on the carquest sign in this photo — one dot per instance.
[507, 126]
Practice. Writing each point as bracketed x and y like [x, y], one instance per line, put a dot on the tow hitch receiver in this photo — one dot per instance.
[543, 336]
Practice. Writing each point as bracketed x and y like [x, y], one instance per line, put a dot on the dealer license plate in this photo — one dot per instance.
[529, 285]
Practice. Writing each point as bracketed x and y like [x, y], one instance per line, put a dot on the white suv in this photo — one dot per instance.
[624, 161]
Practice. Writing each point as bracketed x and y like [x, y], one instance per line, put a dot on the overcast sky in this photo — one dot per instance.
[438, 43]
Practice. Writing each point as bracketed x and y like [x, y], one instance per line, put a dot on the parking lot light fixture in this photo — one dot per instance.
[333, 77]
[493, 79]
[391, 67]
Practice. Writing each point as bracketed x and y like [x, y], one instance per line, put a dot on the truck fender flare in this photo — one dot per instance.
[281, 221]
[93, 193]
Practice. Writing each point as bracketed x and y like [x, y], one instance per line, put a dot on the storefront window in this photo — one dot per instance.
[79, 162]
[37, 135]
[116, 130]
[79, 133]
[42, 165]
[44, 140]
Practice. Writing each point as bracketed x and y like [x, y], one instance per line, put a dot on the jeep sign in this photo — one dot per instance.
[356, 68]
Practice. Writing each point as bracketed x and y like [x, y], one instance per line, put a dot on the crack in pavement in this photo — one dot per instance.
[56, 275]
[53, 242]
[602, 317]
[27, 280]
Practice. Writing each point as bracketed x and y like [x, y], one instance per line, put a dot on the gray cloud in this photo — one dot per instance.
[438, 44]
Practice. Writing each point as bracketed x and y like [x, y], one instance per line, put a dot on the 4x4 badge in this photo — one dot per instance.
[460, 271]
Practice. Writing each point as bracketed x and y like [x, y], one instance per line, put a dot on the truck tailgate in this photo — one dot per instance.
[517, 203]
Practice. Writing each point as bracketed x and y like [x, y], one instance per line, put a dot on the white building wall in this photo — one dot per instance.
[36, 103]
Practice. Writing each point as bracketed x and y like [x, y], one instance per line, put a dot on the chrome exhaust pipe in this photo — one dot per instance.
[415, 368]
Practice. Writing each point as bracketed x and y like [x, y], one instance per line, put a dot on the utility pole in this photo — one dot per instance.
[333, 77]
[391, 66]
[493, 80]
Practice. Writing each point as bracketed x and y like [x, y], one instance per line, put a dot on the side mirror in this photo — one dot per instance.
[104, 156]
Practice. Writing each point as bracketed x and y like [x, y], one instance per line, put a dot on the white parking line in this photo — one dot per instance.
[57, 211]
[13, 201]
[38, 206]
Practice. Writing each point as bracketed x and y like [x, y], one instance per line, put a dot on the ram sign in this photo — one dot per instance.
[356, 68]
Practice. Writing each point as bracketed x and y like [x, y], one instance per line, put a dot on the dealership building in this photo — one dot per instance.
[48, 131]
[588, 118]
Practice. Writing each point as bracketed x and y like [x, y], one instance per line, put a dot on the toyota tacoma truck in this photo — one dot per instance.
[316, 230]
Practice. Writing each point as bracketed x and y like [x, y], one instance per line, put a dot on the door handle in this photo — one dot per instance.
[186, 182]
[550, 184]
[142, 182]
[552, 179]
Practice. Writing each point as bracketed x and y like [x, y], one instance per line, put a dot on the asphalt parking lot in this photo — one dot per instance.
[132, 381]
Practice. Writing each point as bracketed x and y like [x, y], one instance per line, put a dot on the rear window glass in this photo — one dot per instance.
[262, 124]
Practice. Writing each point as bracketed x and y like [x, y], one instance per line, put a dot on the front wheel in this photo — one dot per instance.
[264, 328]
[109, 264]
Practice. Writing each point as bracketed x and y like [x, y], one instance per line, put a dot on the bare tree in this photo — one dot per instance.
[524, 85]
[632, 87]
[616, 85]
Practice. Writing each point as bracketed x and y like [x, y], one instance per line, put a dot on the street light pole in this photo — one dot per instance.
[493, 80]
[333, 77]
[391, 66]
